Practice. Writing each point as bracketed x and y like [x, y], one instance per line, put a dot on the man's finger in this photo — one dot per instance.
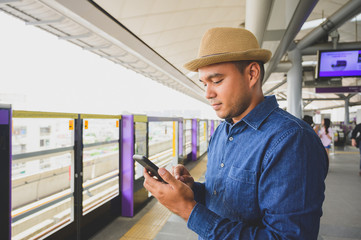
[168, 177]
[187, 179]
[150, 182]
[178, 171]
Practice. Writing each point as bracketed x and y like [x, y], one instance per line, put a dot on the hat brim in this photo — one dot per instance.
[262, 55]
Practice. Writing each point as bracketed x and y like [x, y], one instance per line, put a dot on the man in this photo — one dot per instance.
[266, 168]
[355, 140]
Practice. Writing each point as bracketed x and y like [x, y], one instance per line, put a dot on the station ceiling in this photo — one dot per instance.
[156, 37]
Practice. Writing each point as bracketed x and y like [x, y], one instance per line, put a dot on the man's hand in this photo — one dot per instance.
[353, 142]
[176, 196]
[181, 173]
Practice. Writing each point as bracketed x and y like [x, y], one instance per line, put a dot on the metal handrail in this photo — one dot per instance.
[42, 153]
[39, 207]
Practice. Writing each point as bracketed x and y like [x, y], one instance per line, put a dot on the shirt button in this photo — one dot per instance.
[214, 192]
[230, 138]
[222, 164]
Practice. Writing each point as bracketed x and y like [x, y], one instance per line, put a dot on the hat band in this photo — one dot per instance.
[214, 54]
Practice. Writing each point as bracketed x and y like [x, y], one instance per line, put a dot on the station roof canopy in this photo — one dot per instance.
[156, 37]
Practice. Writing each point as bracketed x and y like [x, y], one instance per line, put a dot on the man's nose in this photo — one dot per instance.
[210, 93]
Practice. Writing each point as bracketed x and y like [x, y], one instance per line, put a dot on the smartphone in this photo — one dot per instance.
[147, 164]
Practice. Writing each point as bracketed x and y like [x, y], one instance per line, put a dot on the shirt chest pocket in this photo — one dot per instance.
[241, 192]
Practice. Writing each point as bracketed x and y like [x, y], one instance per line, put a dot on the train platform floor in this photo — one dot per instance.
[341, 218]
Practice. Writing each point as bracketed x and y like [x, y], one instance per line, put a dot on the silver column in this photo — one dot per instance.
[294, 84]
[347, 111]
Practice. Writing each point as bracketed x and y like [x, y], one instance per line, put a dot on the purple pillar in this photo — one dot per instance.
[180, 138]
[194, 139]
[127, 166]
[212, 127]
[5, 170]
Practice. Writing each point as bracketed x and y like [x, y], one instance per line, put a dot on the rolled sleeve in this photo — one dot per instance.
[201, 220]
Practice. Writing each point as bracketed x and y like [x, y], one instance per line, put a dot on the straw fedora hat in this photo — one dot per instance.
[226, 45]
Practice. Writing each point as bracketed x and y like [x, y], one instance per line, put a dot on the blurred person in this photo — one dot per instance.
[325, 134]
[266, 168]
[355, 140]
[308, 119]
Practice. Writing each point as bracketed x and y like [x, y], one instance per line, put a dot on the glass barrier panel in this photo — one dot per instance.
[188, 136]
[100, 162]
[202, 126]
[42, 193]
[209, 129]
[34, 134]
[100, 130]
[161, 143]
[140, 146]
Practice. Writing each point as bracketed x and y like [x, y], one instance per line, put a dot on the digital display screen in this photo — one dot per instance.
[339, 63]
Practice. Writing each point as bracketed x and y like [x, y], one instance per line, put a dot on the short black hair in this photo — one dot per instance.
[308, 119]
[241, 65]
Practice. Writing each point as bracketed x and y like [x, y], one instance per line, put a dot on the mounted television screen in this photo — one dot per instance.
[338, 63]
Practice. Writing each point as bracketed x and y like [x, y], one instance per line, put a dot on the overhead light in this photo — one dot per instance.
[357, 18]
[273, 82]
[312, 24]
[309, 63]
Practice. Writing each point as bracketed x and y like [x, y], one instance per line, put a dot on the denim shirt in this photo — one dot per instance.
[264, 180]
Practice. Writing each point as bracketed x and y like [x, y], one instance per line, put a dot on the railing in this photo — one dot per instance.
[64, 166]
[202, 136]
[163, 141]
[100, 160]
[42, 195]
[187, 133]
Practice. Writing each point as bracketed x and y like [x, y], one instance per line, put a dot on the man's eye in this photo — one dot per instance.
[218, 82]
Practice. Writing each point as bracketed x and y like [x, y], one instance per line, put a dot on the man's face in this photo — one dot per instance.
[227, 90]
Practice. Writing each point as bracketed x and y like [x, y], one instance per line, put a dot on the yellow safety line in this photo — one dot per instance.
[342, 152]
[174, 139]
[152, 222]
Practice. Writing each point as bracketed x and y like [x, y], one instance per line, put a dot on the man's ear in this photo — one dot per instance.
[254, 71]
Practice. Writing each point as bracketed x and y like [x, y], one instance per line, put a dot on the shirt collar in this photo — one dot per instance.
[256, 117]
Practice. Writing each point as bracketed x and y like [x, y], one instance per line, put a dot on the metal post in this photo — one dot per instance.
[180, 139]
[5, 170]
[347, 111]
[257, 15]
[294, 81]
[78, 176]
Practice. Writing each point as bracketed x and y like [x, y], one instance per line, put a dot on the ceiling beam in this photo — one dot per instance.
[336, 106]
[348, 11]
[275, 87]
[303, 10]
[320, 99]
[312, 50]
